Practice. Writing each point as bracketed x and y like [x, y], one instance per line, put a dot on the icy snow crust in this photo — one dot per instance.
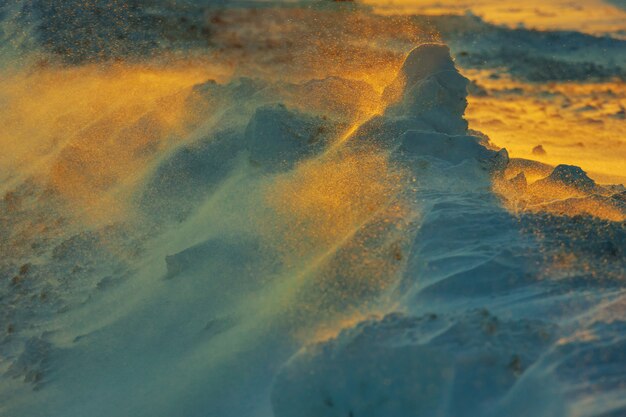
[244, 290]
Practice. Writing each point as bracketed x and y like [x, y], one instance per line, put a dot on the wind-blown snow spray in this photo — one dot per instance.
[297, 223]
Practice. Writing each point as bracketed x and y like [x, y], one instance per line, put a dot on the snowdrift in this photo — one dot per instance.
[289, 249]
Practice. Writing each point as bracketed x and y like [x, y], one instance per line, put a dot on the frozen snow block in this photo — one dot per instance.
[428, 94]
[569, 176]
[451, 148]
[429, 84]
[446, 90]
[278, 137]
[425, 60]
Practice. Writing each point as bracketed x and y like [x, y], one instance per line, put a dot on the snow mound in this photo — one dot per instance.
[277, 138]
[428, 86]
[428, 94]
[460, 361]
[571, 177]
[420, 366]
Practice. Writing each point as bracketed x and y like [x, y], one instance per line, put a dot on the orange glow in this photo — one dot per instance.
[332, 329]
[89, 130]
[575, 123]
[293, 44]
[97, 128]
[329, 198]
[590, 16]
[555, 199]
[344, 217]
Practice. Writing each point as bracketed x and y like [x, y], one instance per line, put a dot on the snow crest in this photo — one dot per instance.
[477, 332]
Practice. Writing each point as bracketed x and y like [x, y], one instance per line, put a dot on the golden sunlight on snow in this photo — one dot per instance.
[87, 116]
[572, 123]
[590, 16]
[328, 199]
[342, 215]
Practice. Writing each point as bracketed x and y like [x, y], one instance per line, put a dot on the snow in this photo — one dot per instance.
[428, 365]
[325, 240]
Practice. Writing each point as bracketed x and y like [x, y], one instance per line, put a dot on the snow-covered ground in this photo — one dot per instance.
[600, 17]
[254, 209]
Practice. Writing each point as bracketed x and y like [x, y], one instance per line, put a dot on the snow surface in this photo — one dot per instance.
[305, 246]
